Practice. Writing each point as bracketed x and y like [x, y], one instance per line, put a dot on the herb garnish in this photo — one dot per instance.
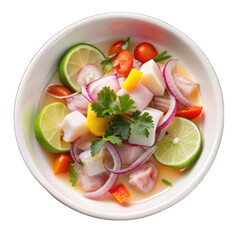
[122, 123]
[107, 62]
[72, 174]
[167, 182]
[160, 57]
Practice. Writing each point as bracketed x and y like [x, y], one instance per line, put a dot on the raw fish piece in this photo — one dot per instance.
[140, 94]
[74, 126]
[130, 153]
[144, 178]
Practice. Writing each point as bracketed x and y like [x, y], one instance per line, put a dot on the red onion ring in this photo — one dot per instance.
[167, 74]
[170, 113]
[73, 151]
[112, 178]
[85, 93]
[78, 103]
[94, 87]
[142, 159]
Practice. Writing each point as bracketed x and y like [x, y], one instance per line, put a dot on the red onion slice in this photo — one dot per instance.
[121, 81]
[85, 93]
[94, 87]
[169, 115]
[74, 151]
[142, 159]
[168, 77]
[86, 74]
[78, 103]
[112, 178]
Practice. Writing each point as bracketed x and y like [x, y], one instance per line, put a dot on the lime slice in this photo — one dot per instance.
[47, 128]
[182, 144]
[75, 58]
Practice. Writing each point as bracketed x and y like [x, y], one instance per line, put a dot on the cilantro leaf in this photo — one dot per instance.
[98, 109]
[114, 140]
[126, 103]
[119, 126]
[107, 99]
[72, 174]
[141, 123]
[97, 144]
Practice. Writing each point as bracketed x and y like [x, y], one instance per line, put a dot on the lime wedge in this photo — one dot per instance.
[47, 128]
[75, 58]
[182, 144]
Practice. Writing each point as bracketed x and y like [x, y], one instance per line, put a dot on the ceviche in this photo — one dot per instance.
[120, 124]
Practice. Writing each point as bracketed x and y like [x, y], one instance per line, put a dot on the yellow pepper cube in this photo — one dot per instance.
[96, 125]
[132, 79]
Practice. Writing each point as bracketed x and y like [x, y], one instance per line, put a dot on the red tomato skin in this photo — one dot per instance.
[144, 52]
[58, 90]
[190, 113]
[125, 65]
[115, 48]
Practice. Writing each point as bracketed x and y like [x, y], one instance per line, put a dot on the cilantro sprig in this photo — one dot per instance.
[161, 57]
[72, 174]
[122, 123]
[107, 62]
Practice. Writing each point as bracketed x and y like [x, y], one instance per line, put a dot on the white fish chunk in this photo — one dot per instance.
[74, 126]
[152, 78]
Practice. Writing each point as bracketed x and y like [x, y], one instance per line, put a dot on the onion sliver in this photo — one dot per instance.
[78, 103]
[168, 77]
[142, 159]
[86, 74]
[73, 151]
[84, 92]
[112, 178]
[94, 87]
[169, 115]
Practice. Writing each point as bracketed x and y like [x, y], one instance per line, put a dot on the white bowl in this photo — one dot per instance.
[100, 28]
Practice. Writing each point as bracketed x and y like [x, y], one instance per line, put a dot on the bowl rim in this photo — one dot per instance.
[104, 215]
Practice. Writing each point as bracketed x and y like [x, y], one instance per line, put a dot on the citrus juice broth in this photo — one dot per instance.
[171, 174]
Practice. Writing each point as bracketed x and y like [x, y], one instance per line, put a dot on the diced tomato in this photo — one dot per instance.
[144, 52]
[58, 90]
[125, 65]
[61, 163]
[120, 193]
[115, 48]
[190, 112]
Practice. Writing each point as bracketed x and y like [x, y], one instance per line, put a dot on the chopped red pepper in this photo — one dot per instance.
[190, 113]
[120, 193]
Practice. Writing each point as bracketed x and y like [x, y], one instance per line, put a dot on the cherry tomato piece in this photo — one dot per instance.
[190, 112]
[144, 52]
[125, 65]
[61, 163]
[58, 90]
[115, 48]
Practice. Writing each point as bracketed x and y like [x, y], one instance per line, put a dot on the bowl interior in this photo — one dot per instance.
[98, 29]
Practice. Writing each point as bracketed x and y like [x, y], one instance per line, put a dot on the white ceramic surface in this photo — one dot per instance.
[96, 29]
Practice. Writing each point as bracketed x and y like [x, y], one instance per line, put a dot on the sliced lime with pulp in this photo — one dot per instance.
[47, 128]
[182, 144]
[75, 58]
